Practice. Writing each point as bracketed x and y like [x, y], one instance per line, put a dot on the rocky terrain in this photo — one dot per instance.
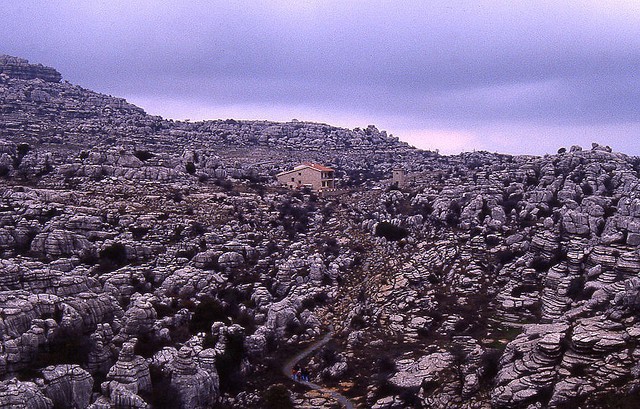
[150, 263]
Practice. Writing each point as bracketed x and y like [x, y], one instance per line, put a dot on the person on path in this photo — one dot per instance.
[304, 374]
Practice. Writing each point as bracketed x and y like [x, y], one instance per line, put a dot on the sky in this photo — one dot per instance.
[519, 77]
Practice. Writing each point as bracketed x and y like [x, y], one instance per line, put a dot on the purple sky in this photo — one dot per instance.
[505, 76]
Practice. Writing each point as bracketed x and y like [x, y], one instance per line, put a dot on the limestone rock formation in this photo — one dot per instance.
[160, 259]
[15, 394]
[127, 378]
[20, 68]
[68, 386]
[195, 387]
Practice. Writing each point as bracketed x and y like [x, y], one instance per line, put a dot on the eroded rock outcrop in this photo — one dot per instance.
[161, 256]
[68, 386]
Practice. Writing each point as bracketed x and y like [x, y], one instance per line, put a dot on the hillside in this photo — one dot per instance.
[156, 263]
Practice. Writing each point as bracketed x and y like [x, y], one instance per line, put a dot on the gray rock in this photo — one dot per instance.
[15, 394]
[59, 243]
[68, 386]
[427, 369]
[127, 377]
[195, 387]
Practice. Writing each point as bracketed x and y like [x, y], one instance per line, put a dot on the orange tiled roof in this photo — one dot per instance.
[316, 166]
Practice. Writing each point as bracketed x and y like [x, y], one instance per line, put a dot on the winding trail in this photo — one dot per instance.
[288, 366]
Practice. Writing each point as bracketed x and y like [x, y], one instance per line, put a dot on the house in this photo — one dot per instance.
[312, 175]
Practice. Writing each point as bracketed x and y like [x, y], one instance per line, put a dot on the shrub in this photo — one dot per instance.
[164, 395]
[390, 231]
[277, 397]
[147, 345]
[506, 255]
[23, 149]
[453, 215]
[112, 257]
[66, 347]
[332, 248]
[358, 322]
[490, 364]
[176, 196]
[576, 287]
[329, 355]
[208, 311]
[410, 398]
[138, 232]
[143, 155]
[229, 364]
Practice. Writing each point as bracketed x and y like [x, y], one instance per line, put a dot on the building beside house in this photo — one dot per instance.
[399, 177]
[312, 175]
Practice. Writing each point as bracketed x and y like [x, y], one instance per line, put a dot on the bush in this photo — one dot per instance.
[576, 287]
[147, 345]
[331, 248]
[390, 231]
[358, 322]
[208, 311]
[225, 184]
[112, 257]
[143, 155]
[23, 149]
[490, 364]
[410, 398]
[277, 397]
[176, 196]
[66, 347]
[386, 365]
[229, 364]
[138, 232]
[506, 255]
[164, 395]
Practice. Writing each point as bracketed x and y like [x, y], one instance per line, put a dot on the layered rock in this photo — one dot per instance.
[68, 386]
[128, 377]
[20, 68]
[195, 387]
[15, 394]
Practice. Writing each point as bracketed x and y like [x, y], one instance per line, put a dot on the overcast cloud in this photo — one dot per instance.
[512, 76]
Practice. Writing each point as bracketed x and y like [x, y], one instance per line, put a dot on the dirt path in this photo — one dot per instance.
[288, 366]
